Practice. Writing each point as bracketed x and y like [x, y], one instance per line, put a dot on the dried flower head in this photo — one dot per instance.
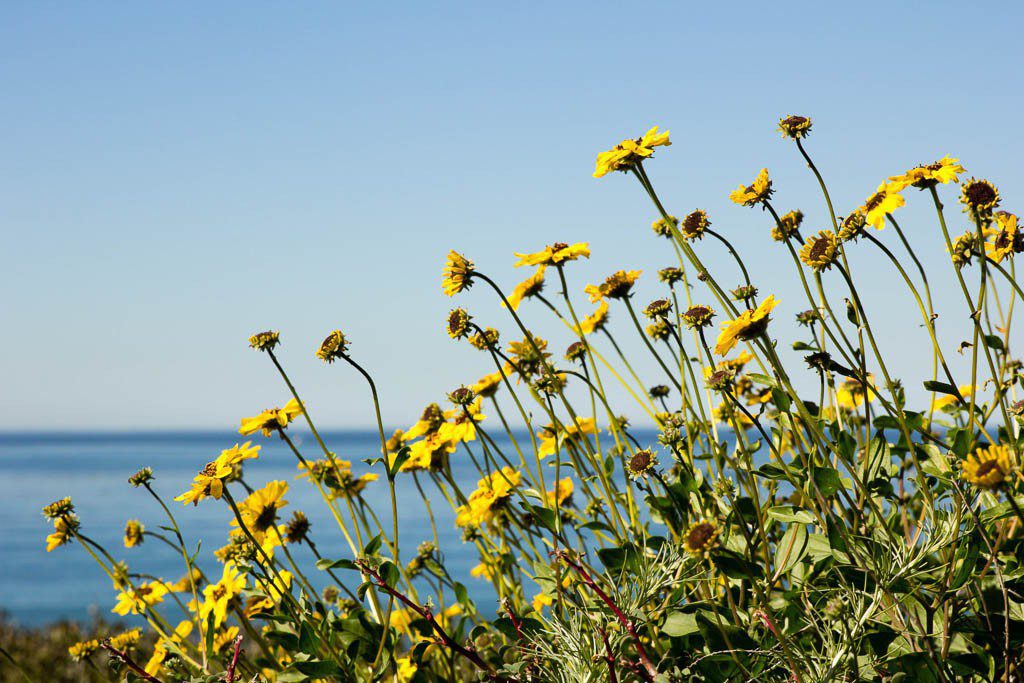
[659, 308]
[458, 323]
[297, 527]
[758, 191]
[1017, 410]
[264, 341]
[59, 508]
[641, 464]
[701, 538]
[334, 346]
[819, 251]
[670, 275]
[658, 391]
[664, 228]
[721, 379]
[697, 316]
[979, 197]
[463, 396]
[457, 274]
[787, 225]
[795, 127]
[852, 227]
[695, 224]
[808, 317]
[744, 292]
[142, 477]
[576, 351]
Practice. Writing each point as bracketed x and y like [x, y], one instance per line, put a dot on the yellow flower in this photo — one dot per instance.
[63, 528]
[755, 193]
[487, 385]
[540, 601]
[457, 274]
[265, 341]
[628, 153]
[744, 328]
[272, 420]
[554, 254]
[569, 433]
[126, 640]
[133, 533]
[136, 600]
[488, 499]
[405, 669]
[275, 592]
[851, 394]
[641, 463]
[561, 493]
[529, 287]
[726, 413]
[210, 480]
[462, 424]
[483, 571]
[819, 251]
[429, 453]
[224, 638]
[695, 224]
[428, 423]
[1007, 240]
[701, 538]
[618, 284]
[259, 510]
[884, 201]
[595, 321]
[217, 597]
[788, 225]
[947, 402]
[181, 632]
[988, 468]
[84, 649]
[945, 170]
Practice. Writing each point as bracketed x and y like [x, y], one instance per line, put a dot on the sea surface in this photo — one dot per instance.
[37, 587]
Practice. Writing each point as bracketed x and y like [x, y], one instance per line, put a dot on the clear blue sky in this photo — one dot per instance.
[176, 176]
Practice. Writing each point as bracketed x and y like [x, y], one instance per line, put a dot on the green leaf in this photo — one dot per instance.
[827, 480]
[789, 513]
[941, 387]
[373, 545]
[678, 624]
[994, 342]
[317, 669]
[326, 564]
[791, 549]
[781, 399]
[966, 557]
[399, 460]
[390, 573]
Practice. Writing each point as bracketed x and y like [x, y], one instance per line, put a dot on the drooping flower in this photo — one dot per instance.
[884, 201]
[663, 228]
[988, 468]
[265, 341]
[487, 385]
[272, 596]
[554, 254]
[457, 274]
[1007, 240]
[758, 191]
[333, 347]
[701, 538]
[133, 530]
[852, 393]
[787, 225]
[595, 321]
[529, 287]
[561, 494]
[747, 326]
[458, 323]
[63, 531]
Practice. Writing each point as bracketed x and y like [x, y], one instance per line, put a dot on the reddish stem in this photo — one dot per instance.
[608, 657]
[230, 675]
[123, 656]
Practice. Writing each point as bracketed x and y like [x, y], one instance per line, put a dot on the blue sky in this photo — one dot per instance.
[176, 176]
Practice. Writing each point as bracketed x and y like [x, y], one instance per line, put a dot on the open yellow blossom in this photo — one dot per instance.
[595, 321]
[529, 287]
[278, 587]
[618, 284]
[259, 510]
[569, 432]
[945, 170]
[1007, 240]
[755, 193]
[484, 571]
[554, 254]
[988, 468]
[701, 538]
[160, 649]
[488, 498]
[429, 422]
[487, 385]
[136, 600]
[63, 528]
[819, 251]
[133, 533]
[748, 325]
[210, 480]
[217, 597]
[405, 669]
[884, 201]
[628, 153]
[947, 402]
[457, 274]
[540, 601]
[851, 393]
[272, 420]
[461, 423]
[429, 453]
[561, 493]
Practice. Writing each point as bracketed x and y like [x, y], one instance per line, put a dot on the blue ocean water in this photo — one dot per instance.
[35, 469]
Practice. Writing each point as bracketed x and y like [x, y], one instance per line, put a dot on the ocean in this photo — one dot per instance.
[37, 587]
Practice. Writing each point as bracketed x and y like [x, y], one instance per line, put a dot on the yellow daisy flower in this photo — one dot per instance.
[272, 420]
[217, 597]
[755, 193]
[884, 201]
[744, 328]
[988, 468]
[529, 287]
[554, 254]
[701, 538]
[945, 170]
[133, 533]
[628, 153]
[595, 321]
[136, 600]
[457, 274]
[819, 251]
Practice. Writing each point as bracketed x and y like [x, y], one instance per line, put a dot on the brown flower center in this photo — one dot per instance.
[819, 249]
[987, 467]
[700, 535]
[980, 194]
